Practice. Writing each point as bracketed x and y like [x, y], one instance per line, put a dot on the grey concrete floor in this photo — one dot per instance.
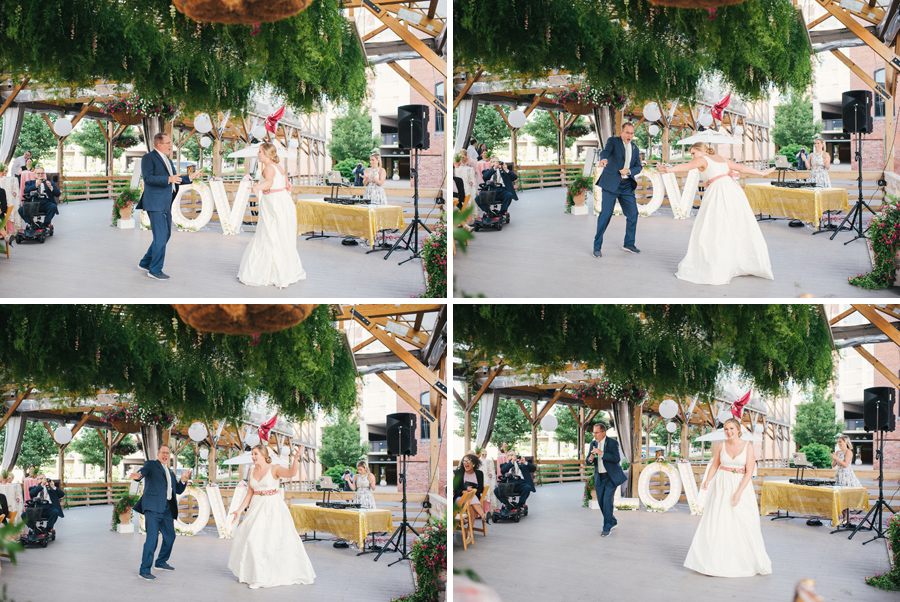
[556, 554]
[88, 259]
[89, 562]
[544, 252]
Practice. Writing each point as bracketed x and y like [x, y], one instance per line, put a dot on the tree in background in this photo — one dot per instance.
[545, 133]
[351, 136]
[340, 443]
[817, 454]
[815, 421]
[567, 428]
[510, 425]
[795, 123]
[88, 443]
[492, 130]
[34, 136]
[38, 447]
[93, 144]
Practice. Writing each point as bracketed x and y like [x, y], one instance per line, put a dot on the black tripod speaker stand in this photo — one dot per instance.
[400, 534]
[409, 240]
[873, 520]
[855, 217]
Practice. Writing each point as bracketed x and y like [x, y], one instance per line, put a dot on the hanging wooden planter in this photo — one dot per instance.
[704, 4]
[578, 108]
[123, 118]
[243, 319]
[123, 426]
[596, 403]
[246, 12]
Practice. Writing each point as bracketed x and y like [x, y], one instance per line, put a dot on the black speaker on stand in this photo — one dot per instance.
[401, 441]
[856, 111]
[412, 130]
[878, 416]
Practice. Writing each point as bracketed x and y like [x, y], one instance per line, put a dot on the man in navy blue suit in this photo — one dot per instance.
[159, 506]
[161, 184]
[500, 174]
[621, 161]
[45, 490]
[608, 473]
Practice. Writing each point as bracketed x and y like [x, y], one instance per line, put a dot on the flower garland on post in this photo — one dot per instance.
[429, 559]
[884, 234]
[434, 261]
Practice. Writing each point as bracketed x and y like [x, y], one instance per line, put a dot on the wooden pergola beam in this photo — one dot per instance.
[867, 79]
[535, 102]
[15, 406]
[428, 94]
[525, 411]
[374, 33]
[484, 387]
[879, 366]
[12, 96]
[873, 316]
[846, 18]
[407, 36]
[406, 397]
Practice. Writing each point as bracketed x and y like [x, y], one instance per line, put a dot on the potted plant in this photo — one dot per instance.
[124, 203]
[130, 110]
[122, 510]
[5, 476]
[3, 168]
[429, 560]
[596, 395]
[130, 419]
[576, 193]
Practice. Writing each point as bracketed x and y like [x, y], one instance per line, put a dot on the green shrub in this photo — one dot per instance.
[347, 166]
[819, 455]
[790, 151]
[890, 580]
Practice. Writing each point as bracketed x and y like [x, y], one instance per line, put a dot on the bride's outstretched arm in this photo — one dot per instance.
[679, 167]
[749, 170]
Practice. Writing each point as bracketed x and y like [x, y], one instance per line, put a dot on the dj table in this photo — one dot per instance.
[803, 499]
[362, 221]
[352, 525]
[805, 204]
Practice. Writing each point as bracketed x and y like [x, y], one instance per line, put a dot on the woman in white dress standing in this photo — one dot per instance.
[728, 542]
[271, 257]
[374, 180]
[266, 550]
[363, 483]
[726, 240]
[819, 162]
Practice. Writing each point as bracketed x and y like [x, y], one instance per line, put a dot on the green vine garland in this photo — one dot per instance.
[884, 235]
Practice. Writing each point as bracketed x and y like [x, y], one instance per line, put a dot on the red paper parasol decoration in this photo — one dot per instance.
[737, 408]
[272, 120]
[719, 107]
[267, 426]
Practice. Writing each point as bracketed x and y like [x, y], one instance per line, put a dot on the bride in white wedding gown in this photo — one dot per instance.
[725, 240]
[271, 257]
[266, 550]
[728, 542]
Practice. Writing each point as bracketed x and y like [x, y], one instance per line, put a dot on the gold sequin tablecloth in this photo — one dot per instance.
[805, 204]
[363, 221]
[352, 525]
[803, 499]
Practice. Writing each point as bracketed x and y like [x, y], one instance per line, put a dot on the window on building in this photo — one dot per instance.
[439, 117]
[424, 425]
[879, 101]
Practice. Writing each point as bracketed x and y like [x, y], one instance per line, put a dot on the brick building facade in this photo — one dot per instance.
[872, 144]
[431, 160]
[889, 355]
[418, 479]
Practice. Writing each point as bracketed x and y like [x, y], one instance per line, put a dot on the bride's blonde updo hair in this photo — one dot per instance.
[270, 150]
[736, 422]
[263, 451]
[703, 148]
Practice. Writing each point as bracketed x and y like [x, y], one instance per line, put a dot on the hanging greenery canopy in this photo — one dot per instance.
[167, 56]
[645, 51]
[72, 351]
[675, 349]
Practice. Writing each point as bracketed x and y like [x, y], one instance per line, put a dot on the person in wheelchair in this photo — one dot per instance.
[46, 193]
[46, 494]
[500, 177]
[521, 472]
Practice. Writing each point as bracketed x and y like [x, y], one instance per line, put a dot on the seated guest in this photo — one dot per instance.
[471, 477]
[19, 163]
[45, 490]
[522, 468]
[43, 191]
[4, 508]
[841, 459]
[500, 174]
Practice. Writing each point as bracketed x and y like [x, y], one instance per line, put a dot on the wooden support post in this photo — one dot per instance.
[434, 455]
[534, 428]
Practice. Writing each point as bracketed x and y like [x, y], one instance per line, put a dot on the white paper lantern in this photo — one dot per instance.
[202, 123]
[706, 120]
[252, 439]
[652, 112]
[654, 130]
[294, 143]
[204, 454]
[285, 450]
[197, 431]
[758, 429]
[62, 435]
[668, 409]
[205, 142]
[517, 118]
[739, 132]
[671, 427]
[549, 423]
[63, 127]
[258, 132]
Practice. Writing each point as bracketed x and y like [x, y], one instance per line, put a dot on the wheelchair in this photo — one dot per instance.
[512, 510]
[37, 513]
[489, 201]
[32, 212]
